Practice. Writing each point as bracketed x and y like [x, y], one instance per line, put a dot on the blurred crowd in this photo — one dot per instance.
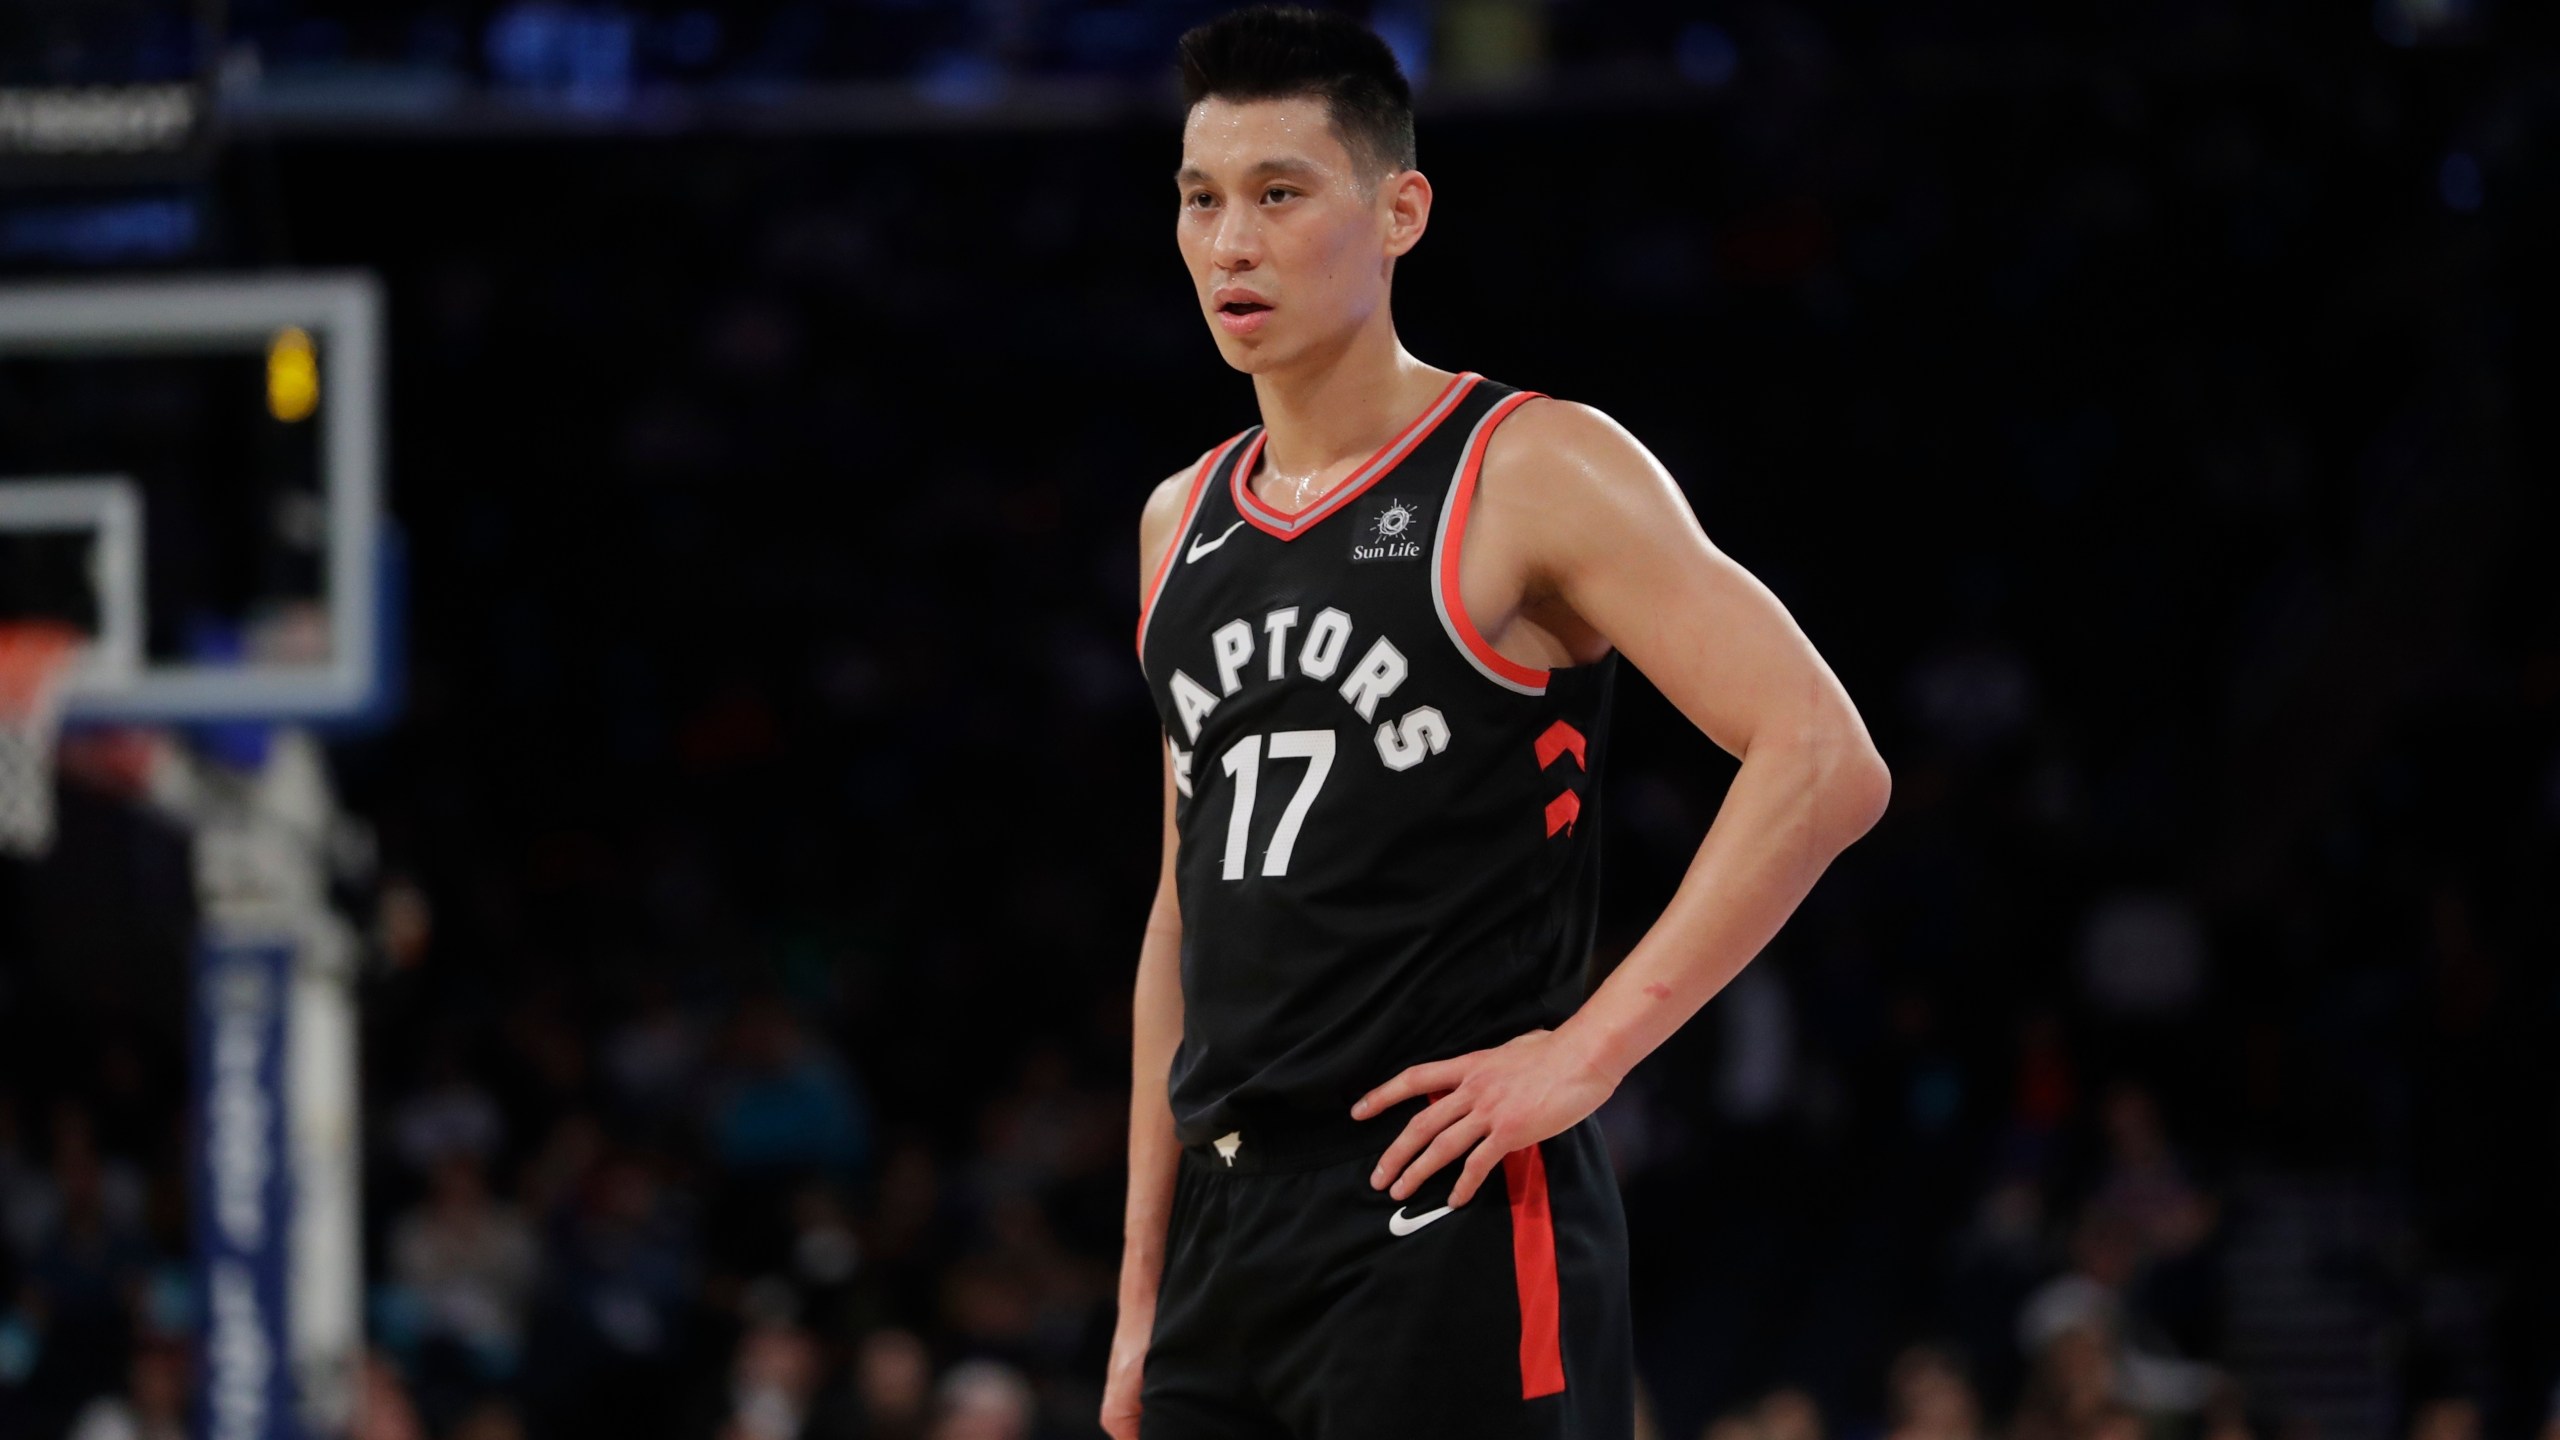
[2128, 404]
[604, 57]
[679, 1218]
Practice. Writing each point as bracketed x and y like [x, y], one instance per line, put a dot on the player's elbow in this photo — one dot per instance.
[1865, 787]
[1850, 775]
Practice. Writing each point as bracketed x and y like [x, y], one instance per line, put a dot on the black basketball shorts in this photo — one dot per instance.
[1297, 1303]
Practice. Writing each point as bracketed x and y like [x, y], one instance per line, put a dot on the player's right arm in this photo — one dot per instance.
[1155, 1028]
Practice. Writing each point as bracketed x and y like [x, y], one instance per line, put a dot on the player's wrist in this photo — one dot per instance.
[1137, 1304]
[1141, 1272]
[1590, 1055]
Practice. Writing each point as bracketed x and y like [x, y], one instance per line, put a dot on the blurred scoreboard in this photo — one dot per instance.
[112, 91]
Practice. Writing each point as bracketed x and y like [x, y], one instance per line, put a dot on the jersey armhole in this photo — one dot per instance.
[1190, 512]
[1491, 663]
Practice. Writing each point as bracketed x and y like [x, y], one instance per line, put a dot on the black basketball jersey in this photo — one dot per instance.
[1388, 831]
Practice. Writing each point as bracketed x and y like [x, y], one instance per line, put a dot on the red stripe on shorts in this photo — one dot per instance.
[1533, 1263]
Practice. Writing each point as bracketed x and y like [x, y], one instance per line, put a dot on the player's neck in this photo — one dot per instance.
[1339, 407]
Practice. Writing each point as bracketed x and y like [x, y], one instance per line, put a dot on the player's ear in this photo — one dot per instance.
[1406, 203]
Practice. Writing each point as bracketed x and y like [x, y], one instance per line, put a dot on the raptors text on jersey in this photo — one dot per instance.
[1388, 831]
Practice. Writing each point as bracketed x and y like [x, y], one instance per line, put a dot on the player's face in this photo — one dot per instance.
[1288, 243]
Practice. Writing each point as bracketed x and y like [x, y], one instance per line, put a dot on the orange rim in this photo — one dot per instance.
[35, 655]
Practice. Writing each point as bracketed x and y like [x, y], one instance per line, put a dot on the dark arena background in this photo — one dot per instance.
[743, 863]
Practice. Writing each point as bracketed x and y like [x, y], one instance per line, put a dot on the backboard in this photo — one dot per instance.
[191, 472]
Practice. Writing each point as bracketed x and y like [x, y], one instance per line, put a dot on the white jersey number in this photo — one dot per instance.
[1243, 762]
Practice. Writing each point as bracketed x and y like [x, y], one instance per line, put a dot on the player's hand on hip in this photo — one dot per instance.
[1485, 1104]
[1127, 1370]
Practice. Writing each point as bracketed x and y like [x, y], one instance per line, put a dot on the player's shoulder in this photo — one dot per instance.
[1165, 501]
[1554, 449]
[1544, 427]
[1162, 513]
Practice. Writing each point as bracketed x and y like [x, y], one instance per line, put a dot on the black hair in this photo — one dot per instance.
[1271, 52]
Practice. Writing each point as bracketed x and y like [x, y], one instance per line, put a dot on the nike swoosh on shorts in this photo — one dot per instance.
[1402, 1224]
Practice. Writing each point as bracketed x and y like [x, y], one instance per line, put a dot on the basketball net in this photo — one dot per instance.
[35, 659]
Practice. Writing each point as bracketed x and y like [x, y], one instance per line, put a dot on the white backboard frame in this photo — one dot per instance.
[343, 309]
[108, 510]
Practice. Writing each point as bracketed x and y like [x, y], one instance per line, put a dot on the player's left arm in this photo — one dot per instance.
[1587, 543]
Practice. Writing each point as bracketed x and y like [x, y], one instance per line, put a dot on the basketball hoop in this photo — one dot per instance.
[35, 660]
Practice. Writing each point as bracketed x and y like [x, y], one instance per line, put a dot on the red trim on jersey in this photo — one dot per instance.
[1557, 740]
[1562, 811]
[1460, 497]
[1290, 526]
[1164, 563]
[1533, 1264]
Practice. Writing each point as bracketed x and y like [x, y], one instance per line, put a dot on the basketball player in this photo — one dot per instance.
[1368, 1199]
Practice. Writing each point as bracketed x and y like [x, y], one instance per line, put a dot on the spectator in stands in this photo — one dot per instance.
[1929, 1398]
[983, 1400]
[2071, 1388]
[618, 1307]
[1739, 1424]
[2145, 1183]
[472, 1263]
[90, 1264]
[772, 1382]
[154, 1405]
[1788, 1413]
[784, 1101]
[654, 1056]
[2226, 1417]
[448, 1113]
[383, 1409]
[1045, 1129]
[2088, 1301]
[2117, 1422]
[22, 1185]
[2446, 1417]
[491, 1419]
[112, 1183]
[885, 1394]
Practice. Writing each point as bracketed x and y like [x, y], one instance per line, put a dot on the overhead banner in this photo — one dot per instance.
[111, 91]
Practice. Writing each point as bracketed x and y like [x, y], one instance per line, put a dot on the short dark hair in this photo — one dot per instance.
[1273, 52]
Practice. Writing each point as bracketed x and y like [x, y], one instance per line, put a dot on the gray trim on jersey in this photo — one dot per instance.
[1440, 537]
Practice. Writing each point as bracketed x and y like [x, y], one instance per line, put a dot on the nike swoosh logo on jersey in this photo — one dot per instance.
[1402, 1224]
[1200, 547]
